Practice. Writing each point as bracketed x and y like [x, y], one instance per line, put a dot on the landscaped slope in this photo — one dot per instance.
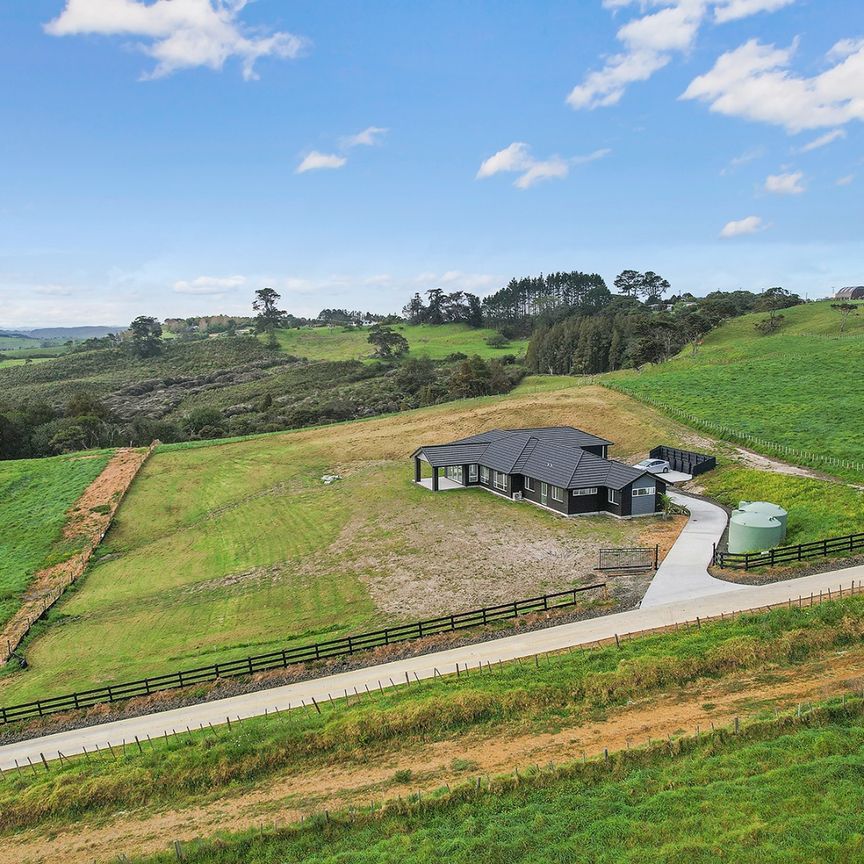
[34, 497]
[800, 387]
[339, 343]
[225, 550]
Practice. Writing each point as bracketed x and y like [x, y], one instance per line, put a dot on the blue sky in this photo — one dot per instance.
[170, 157]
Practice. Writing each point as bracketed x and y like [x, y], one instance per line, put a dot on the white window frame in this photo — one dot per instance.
[484, 474]
[590, 490]
[614, 497]
[644, 490]
[472, 473]
[557, 494]
[529, 484]
[501, 481]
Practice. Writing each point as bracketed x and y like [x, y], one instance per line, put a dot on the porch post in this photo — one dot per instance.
[417, 469]
[434, 479]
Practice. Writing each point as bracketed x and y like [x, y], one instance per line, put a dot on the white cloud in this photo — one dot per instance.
[369, 137]
[651, 40]
[741, 227]
[754, 82]
[206, 285]
[845, 181]
[178, 34]
[732, 10]
[315, 161]
[785, 184]
[517, 158]
[822, 140]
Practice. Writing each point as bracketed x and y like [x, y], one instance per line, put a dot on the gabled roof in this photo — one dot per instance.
[551, 454]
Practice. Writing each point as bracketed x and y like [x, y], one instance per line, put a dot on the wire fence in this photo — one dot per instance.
[289, 656]
[738, 435]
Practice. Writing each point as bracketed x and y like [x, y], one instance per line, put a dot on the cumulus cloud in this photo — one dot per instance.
[206, 285]
[823, 140]
[754, 82]
[178, 34]
[517, 158]
[785, 184]
[741, 227]
[369, 137]
[651, 40]
[732, 10]
[315, 161]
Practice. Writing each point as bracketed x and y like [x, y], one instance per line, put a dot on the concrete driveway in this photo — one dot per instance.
[684, 575]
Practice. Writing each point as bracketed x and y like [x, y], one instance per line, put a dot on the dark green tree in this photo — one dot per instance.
[628, 282]
[145, 336]
[387, 342]
[270, 317]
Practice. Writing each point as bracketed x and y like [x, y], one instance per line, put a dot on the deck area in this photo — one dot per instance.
[444, 484]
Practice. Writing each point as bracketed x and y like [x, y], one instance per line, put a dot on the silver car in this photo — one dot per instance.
[655, 466]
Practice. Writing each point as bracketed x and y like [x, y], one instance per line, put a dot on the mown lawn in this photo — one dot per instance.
[801, 387]
[34, 497]
[236, 548]
[336, 343]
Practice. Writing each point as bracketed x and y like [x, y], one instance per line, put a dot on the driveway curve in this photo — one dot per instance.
[684, 575]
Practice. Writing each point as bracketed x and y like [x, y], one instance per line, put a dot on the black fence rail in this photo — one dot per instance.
[684, 460]
[289, 656]
[788, 554]
[624, 560]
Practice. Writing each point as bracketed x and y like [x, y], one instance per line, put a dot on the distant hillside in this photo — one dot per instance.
[70, 332]
[800, 386]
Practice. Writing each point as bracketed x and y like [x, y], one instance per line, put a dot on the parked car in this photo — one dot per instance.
[655, 466]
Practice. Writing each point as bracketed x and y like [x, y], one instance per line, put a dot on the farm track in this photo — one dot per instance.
[87, 523]
[370, 776]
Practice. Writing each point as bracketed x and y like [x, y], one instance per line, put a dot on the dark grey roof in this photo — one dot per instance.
[551, 454]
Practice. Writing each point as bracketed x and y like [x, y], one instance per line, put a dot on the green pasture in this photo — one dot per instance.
[34, 497]
[801, 387]
[435, 342]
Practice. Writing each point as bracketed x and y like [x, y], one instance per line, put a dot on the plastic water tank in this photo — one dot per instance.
[767, 509]
[753, 532]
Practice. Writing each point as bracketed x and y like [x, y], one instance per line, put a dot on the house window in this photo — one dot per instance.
[529, 484]
[484, 474]
[500, 481]
[591, 490]
[614, 496]
[557, 493]
[472, 473]
[454, 473]
[646, 490]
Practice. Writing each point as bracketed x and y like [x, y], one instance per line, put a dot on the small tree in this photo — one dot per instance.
[846, 310]
[653, 286]
[497, 340]
[387, 342]
[145, 335]
[269, 316]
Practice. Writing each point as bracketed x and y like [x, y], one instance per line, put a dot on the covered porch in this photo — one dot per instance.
[444, 485]
[444, 477]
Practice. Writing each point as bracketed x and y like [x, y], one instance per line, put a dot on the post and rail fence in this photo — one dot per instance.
[788, 554]
[345, 646]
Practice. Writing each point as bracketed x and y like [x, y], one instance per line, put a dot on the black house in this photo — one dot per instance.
[557, 467]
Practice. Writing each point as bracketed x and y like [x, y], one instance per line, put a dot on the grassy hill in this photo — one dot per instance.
[337, 343]
[229, 549]
[800, 388]
[34, 497]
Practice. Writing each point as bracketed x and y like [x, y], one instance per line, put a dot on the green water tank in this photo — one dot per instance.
[767, 509]
[753, 532]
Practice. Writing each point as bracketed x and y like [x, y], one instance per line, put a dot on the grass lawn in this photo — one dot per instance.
[335, 343]
[21, 361]
[800, 387]
[34, 497]
[234, 548]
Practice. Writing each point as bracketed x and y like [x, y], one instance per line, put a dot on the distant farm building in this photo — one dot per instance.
[852, 293]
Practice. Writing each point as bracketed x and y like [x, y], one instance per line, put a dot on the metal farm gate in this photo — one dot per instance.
[629, 560]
